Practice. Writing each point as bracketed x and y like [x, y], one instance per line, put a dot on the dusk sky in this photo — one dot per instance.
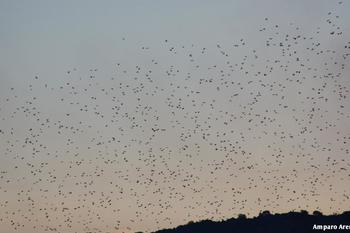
[124, 116]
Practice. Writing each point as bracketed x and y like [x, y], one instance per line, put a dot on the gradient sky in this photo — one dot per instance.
[114, 118]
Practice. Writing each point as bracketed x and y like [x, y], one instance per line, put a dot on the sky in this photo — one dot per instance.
[124, 116]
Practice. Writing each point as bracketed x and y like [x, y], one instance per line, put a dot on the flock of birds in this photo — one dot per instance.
[188, 133]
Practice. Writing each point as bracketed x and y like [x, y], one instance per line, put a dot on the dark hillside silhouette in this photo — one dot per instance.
[292, 222]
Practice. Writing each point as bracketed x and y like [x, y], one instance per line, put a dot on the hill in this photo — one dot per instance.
[292, 222]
